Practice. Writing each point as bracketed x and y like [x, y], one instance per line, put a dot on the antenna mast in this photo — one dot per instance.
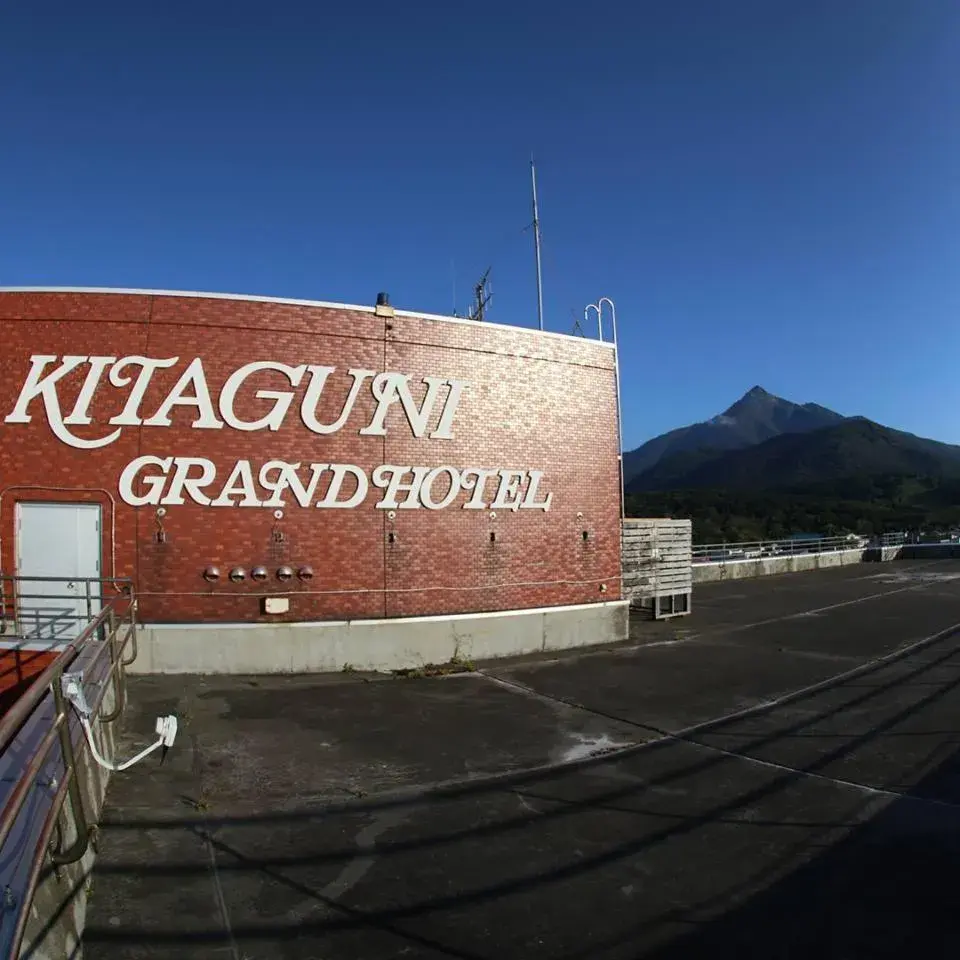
[536, 242]
[482, 293]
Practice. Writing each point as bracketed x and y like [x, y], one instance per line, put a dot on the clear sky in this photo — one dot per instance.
[768, 189]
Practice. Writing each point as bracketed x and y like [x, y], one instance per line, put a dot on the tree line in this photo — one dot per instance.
[868, 506]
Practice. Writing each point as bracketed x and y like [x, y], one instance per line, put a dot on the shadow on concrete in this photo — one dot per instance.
[887, 890]
[852, 887]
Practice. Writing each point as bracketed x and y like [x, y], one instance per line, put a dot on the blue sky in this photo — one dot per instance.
[769, 190]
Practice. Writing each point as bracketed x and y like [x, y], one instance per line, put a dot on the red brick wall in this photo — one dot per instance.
[533, 402]
[18, 669]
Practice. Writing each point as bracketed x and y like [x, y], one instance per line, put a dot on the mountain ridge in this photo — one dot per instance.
[854, 448]
[800, 446]
[755, 417]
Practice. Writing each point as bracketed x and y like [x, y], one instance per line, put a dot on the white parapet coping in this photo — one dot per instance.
[714, 570]
[765, 566]
[391, 644]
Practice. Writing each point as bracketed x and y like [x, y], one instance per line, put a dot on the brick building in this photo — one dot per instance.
[347, 464]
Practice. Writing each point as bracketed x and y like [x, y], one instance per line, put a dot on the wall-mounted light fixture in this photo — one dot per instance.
[238, 575]
[259, 573]
[211, 574]
[284, 574]
[277, 534]
[305, 573]
[161, 534]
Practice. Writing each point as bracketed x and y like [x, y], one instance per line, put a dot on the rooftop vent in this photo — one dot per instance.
[383, 308]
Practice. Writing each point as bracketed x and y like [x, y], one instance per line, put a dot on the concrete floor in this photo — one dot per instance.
[537, 809]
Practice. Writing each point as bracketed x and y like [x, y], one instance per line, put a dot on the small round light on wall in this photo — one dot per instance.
[211, 574]
[392, 515]
[493, 515]
[603, 588]
[238, 574]
[284, 574]
[259, 573]
[305, 573]
[161, 511]
[277, 514]
[579, 516]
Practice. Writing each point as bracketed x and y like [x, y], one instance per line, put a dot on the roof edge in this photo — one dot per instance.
[249, 298]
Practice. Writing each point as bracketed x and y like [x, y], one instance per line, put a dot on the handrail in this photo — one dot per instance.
[732, 552]
[120, 631]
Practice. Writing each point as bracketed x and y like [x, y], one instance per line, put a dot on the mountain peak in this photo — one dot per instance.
[757, 416]
[753, 401]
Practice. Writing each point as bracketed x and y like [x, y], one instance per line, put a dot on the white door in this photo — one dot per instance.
[58, 543]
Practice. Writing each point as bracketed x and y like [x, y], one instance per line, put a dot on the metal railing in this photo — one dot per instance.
[52, 608]
[759, 549]
[40, 737]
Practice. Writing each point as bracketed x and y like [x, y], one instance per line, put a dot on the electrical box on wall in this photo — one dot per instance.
[276, 604]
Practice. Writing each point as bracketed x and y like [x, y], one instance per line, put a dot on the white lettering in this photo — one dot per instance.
[510, 481]
[282, 399]
[154, 484]
[291, 480]
[239, 483]
[449, 409]
[477, 485]
[318, 379]
[79, 414]
[426, 489]
[194, 377]
[434, 488]
[129, 416]
[340, 470]
[387, 389]
[182, 481]
[172, 480]
[36, 385]
[391, 477]
[530, 501]
[275, 486]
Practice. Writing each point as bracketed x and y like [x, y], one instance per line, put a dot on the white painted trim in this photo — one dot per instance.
[124, 291]
[386, 621]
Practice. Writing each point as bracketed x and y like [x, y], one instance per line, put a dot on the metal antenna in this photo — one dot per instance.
[453, 282]
[483, 296]
[578, 331]
[536, 242]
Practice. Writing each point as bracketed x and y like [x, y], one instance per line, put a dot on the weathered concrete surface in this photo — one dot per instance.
[537, 810]
[373, 644]
[794, 563]
[767, 566]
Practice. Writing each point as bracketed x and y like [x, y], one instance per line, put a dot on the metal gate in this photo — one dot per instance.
[58, 548]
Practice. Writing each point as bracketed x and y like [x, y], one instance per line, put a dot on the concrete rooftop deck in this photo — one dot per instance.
[536, 809]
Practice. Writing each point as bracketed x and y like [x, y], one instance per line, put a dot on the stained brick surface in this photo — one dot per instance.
[533, 402]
